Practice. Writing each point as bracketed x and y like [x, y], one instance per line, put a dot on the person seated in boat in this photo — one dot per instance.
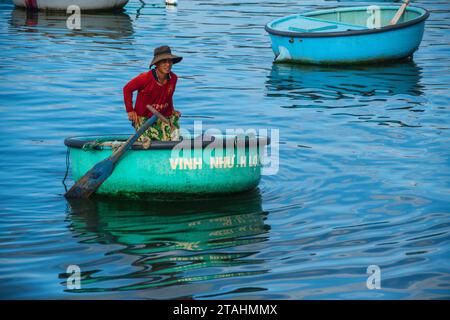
[155, 88]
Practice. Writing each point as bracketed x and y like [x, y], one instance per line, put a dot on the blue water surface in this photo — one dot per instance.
[364, 176]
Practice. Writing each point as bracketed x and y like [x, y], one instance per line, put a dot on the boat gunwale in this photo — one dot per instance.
[78, 142]
[118, 7]
[402, 25]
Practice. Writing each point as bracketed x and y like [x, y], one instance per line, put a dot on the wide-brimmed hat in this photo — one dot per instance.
[163, 53]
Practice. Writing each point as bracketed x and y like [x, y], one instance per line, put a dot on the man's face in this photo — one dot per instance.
[164, 66]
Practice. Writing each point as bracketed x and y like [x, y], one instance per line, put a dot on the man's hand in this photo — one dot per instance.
[132, 116]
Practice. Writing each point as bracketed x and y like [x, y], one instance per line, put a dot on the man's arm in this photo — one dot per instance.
[170, 104]
[135, 84]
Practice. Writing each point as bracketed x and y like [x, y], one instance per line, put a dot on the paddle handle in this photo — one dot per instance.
[158, 114]
[119, 152]
[399, 12]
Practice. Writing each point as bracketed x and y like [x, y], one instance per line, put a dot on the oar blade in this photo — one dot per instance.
[91, 181]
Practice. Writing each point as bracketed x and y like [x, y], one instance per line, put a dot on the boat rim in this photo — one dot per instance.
[117, 7]
[424, 15]
[79, 142]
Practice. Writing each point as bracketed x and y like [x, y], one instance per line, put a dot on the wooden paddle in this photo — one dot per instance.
[159, 115]
[399, 12]
[93, 179]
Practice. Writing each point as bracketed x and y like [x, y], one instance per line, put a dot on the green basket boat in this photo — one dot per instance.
[202, 165]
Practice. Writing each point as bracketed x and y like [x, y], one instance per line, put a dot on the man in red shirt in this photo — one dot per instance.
[155, 88]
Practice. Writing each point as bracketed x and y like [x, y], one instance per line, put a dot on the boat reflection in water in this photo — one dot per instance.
[393, 1]
[114, 25]
[328, 82]
[170, 242]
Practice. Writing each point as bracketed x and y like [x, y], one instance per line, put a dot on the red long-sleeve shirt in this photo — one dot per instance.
[151, 92]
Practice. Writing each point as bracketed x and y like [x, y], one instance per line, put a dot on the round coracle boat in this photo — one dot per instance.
[64, 4]
[348, 35]
[203, 165]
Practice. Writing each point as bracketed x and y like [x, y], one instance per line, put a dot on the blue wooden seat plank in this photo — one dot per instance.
[306, 24]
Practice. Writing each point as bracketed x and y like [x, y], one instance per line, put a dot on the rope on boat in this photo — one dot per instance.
[100, 145]
[67, 168]
[92, 145]
[96, 145]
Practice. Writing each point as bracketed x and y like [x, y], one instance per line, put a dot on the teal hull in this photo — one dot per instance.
[201, 169]
[352, 35]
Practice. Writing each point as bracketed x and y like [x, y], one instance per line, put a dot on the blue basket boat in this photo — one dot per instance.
[347, 35]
